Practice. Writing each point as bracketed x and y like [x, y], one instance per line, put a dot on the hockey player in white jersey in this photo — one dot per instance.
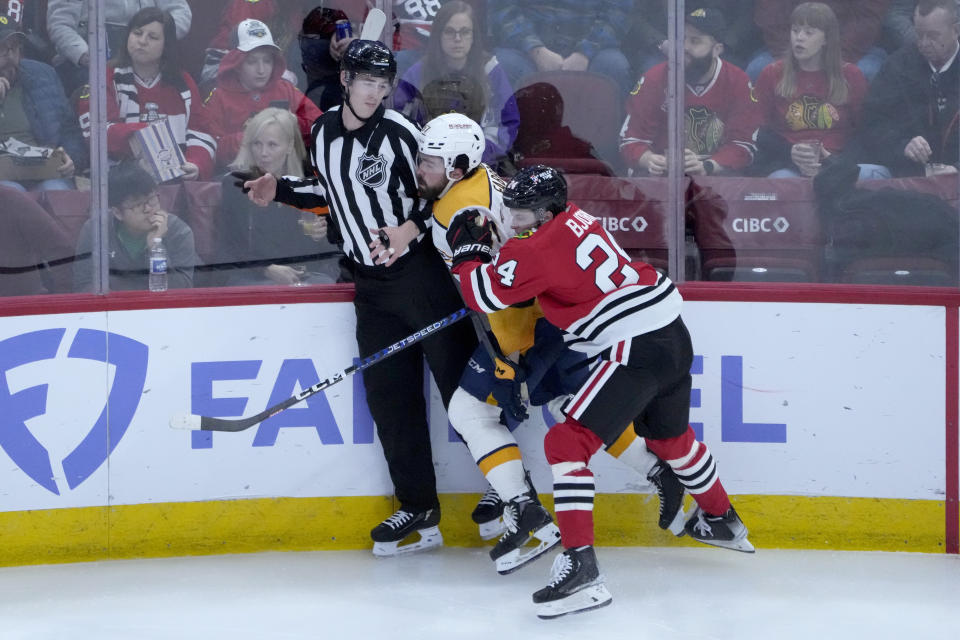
[450, 173]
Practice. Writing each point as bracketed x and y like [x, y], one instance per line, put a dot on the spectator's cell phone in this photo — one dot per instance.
[280, 104]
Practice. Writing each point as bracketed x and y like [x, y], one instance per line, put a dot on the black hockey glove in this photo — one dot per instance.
[246, 176]
[507, 389]
[470, 237]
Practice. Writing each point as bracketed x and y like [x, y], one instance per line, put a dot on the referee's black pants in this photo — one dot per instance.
[390, 305]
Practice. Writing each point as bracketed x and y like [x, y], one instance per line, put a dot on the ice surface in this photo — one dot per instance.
[666, 594]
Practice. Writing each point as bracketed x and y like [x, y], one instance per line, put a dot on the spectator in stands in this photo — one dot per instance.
[544, 138]
[135, 219]
[911, 112]
[456, 46]
[269, 245]
[898, 25]
[282, 20]
[720, 116]
[572, 35]
[144, 84]
[809, 101]
[32, 246]
[34, 109]
[320, 51]
[860, 29]
[250, 80]
[67, 29]
[413, 24]
[649, 45]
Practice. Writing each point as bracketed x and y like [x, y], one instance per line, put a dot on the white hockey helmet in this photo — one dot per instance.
[451, 136]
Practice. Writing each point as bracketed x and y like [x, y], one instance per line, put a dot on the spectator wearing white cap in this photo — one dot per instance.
[250, 79]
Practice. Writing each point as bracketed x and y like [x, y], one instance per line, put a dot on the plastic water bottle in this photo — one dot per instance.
[157, 280]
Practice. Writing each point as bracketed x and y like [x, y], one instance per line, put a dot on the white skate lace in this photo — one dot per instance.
[398, 519]
[562, 567]
[701, 527]
[511, 515]
[654, 479]
[491, 498]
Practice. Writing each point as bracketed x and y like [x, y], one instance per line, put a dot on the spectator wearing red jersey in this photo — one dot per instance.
[810, 101]
[250, 80]
[145, 83]
[720, 117]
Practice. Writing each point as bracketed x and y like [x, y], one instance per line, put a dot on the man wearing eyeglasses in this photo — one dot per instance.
[911, 114]
[136, 218]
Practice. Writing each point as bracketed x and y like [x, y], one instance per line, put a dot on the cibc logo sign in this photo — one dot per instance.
[760, 225]
[638, 224]
[129, 358]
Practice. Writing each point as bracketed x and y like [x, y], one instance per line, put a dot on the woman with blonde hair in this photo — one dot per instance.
[810, 100]
[271, 245]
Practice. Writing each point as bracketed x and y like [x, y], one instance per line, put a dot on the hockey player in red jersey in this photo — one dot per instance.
[626, 315]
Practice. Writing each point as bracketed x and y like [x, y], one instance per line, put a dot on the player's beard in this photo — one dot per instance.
[697, 68]
[429, 193]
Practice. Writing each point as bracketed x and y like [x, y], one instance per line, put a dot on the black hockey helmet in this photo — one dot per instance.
[369, 56]
[537, 187]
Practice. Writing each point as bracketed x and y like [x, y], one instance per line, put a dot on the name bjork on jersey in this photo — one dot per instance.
[580, 222]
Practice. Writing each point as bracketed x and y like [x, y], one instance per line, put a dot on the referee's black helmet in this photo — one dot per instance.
[537, 187]
[370, 57]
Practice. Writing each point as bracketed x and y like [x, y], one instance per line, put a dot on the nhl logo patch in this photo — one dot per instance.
[371, 170]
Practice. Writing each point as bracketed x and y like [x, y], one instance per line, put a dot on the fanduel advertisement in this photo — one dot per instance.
[805, 399]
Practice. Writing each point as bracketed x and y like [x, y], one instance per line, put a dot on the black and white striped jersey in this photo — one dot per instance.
[366, 177]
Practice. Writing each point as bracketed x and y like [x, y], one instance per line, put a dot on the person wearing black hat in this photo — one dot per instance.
[33, 107]
[363, 160]
[720, 116]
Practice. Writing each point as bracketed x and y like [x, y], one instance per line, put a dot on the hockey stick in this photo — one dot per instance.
[205, 423]
[373, 25]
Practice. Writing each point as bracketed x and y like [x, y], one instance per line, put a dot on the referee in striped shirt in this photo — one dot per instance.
[364, 160]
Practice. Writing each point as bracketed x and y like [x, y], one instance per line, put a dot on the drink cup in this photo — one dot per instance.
[816, 149]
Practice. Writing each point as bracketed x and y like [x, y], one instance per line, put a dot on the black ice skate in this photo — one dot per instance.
[388, 535]
[575, 585]
[524, 520]
[487, 514]
[726, 531]
[670, 492]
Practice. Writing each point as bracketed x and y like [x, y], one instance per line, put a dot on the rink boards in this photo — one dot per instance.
[829, 422]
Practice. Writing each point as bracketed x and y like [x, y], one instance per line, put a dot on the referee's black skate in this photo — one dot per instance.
[670, 492]
[575, 585]
[488, 515]
[388, 535]
[726, 531]
[524, 520]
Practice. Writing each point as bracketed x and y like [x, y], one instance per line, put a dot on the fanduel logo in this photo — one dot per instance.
[129, 358]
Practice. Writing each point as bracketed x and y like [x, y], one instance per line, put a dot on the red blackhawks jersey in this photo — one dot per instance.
[585, 283]
[131, 106]
[720, 117]
[808, 115]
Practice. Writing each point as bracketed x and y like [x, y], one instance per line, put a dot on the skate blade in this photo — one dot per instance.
[737, 544]
[549, 537]
[588, 599]
[430, 538]
[492, 529]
